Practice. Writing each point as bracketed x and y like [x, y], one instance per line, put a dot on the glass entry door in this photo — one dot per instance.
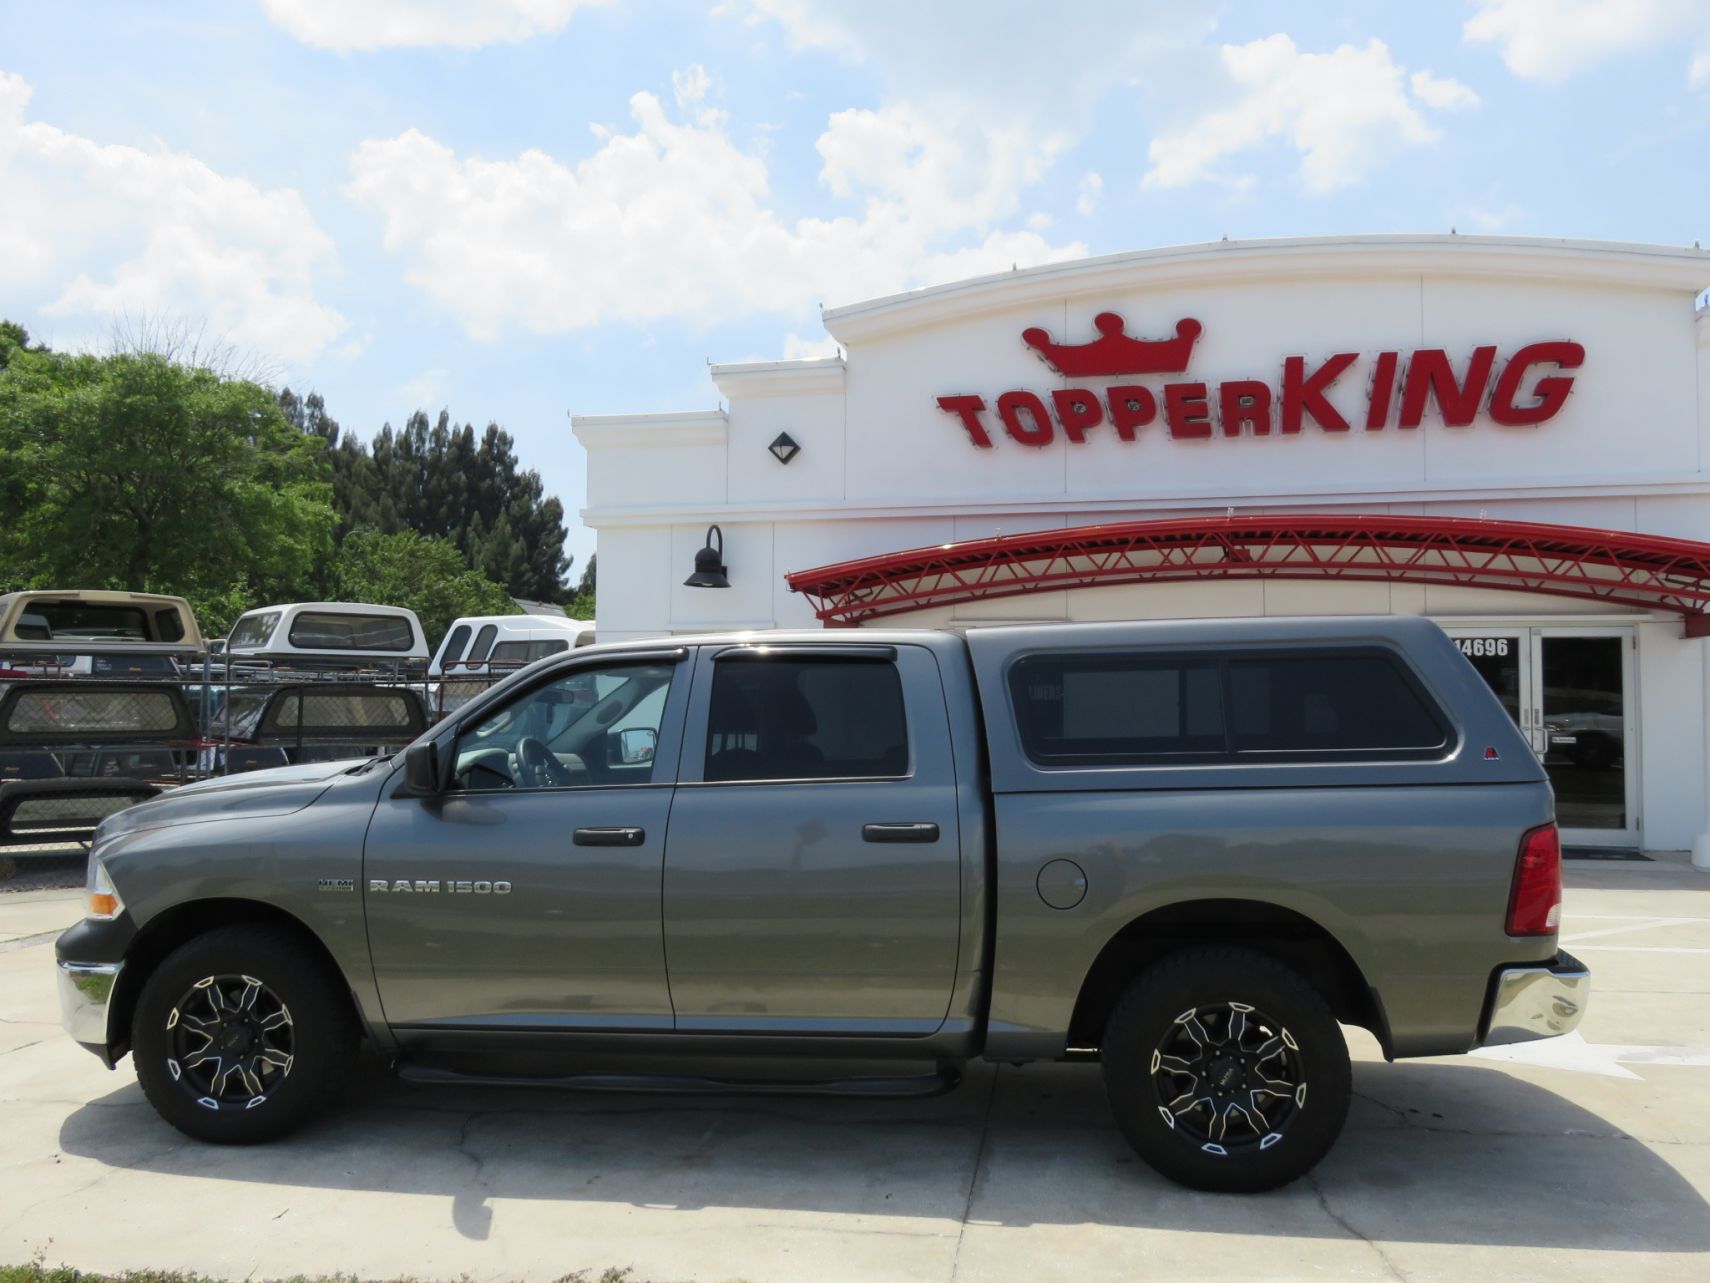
[1570, 690]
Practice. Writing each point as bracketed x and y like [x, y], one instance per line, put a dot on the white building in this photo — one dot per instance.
[1401, 380]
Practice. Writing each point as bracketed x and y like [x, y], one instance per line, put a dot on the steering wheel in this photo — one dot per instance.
[537, 766]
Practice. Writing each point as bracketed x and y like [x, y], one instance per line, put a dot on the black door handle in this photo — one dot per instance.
[610, 837]
[907, 832]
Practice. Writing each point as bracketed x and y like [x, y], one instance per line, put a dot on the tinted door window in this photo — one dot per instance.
[587, 727]
[787, 719]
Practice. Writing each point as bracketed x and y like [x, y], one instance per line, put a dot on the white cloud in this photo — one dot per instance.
[101, 229]
[1552, 40]
[1443, 94]
[1698, 74]
[977, 101]
[424, 392]
[1050, 64]
[1346, 112]
[798, 347]
[675, 219]
[946, 175]
[690, 86]
[347, 25]
[1489, 217]
[1090, 192]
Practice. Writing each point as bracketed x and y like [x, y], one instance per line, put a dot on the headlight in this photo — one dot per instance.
[104, 902]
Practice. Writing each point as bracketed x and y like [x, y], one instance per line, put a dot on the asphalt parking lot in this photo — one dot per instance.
[1586, 1158]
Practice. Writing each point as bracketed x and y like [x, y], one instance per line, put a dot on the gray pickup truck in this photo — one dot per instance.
[1185, 850]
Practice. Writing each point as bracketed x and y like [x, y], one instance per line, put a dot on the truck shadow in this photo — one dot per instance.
[1434, 1152]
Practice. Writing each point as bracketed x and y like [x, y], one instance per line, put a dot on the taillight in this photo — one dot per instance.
[1535, 905]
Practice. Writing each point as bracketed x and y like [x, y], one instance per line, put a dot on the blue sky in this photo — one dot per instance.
[519, 209]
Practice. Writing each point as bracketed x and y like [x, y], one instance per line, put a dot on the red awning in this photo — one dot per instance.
[1646, 571]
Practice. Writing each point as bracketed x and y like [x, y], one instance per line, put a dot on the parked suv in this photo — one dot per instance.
[1186, 850]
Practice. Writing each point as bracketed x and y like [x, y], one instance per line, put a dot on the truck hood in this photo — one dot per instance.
[279, 791]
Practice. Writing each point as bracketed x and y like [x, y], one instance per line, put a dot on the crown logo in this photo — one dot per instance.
[1114, 352]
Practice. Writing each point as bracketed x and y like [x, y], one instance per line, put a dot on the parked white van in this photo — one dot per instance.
[352, 632]
[477, 644]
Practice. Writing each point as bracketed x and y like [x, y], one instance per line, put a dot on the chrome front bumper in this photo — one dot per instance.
[1542, 1001]
[85, 994]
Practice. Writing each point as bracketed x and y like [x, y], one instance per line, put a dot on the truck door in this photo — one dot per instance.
[526, 898]
[812, 864]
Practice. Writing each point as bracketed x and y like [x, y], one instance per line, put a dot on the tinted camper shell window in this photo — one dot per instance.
[1249, 707]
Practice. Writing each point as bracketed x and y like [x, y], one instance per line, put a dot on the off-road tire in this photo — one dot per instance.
[1147, 1017]
[323, 1031]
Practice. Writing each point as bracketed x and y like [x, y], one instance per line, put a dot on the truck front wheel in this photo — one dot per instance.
[241, 1035]
[1226, 1070]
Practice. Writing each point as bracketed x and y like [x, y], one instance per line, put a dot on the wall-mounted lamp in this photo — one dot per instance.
[784, 448]
[709, 564]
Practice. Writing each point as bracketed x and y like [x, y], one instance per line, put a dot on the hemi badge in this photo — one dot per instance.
[338, 884]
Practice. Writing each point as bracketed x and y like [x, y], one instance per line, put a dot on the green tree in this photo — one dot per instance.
[133, 470]
[404, 568]
[13, 337]
[581, 604]
[441, 480]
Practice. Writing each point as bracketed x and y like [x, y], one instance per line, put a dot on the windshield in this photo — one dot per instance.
[253, 630]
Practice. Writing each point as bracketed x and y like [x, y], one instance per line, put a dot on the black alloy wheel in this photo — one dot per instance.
[231, 1040]
[243, 1034]
[1228, 1078]
[1226, 1070]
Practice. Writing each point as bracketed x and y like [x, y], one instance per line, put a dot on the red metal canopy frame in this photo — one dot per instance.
[1645, 571]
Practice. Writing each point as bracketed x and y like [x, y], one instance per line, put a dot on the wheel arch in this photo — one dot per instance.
[166, 931]
[1287, 935]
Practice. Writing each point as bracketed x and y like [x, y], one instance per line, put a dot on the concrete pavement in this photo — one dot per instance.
[1590, 1162]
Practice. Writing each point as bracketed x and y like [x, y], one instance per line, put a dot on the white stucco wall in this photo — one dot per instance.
[883, 468]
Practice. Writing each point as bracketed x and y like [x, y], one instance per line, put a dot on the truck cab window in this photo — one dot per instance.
[780, 719]
[589, 727]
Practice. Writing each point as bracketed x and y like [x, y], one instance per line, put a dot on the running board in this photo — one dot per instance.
[947, 1078]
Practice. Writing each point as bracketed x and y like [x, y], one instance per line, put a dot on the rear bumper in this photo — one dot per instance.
[85, 997]
[1544, 1000]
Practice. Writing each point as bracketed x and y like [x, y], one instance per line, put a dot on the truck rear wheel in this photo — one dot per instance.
[1226, 1070]
[241, 1035]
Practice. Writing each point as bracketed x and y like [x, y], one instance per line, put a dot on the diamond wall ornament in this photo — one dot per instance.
[784, 448]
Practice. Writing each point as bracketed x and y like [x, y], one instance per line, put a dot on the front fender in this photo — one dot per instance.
[305, 866]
